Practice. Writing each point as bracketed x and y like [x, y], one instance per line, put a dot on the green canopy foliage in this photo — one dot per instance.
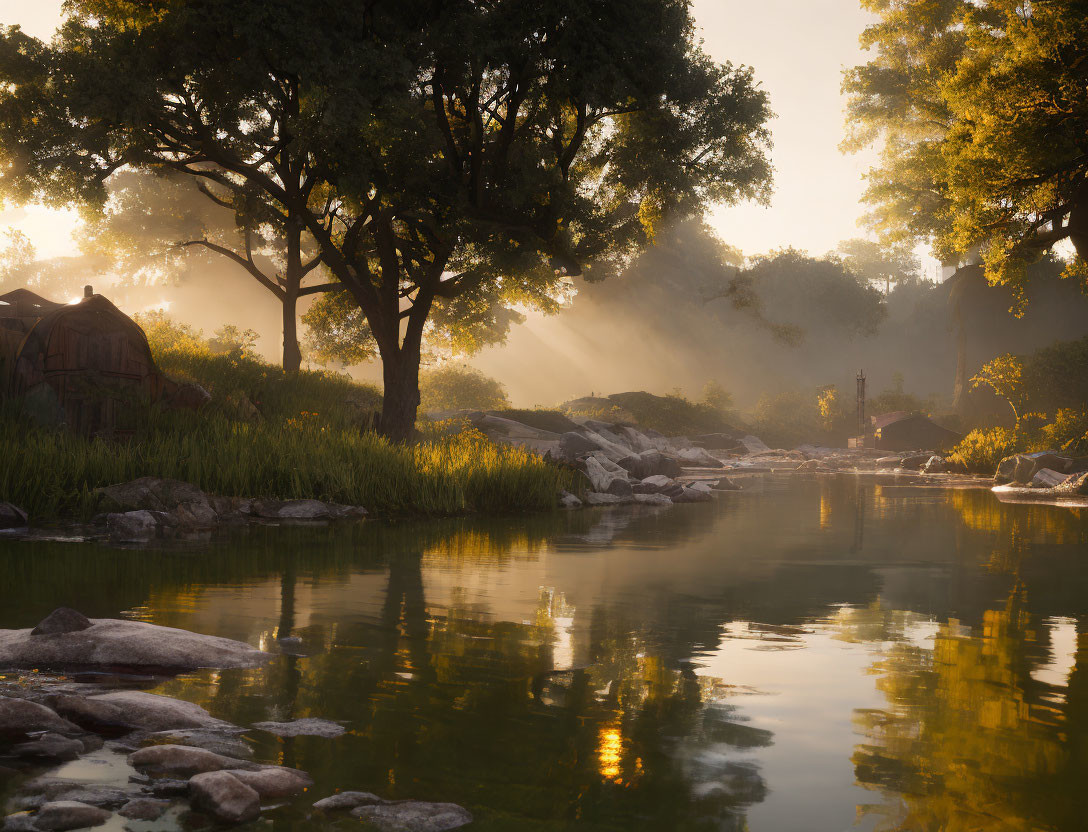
[981, 111]
[429, 151]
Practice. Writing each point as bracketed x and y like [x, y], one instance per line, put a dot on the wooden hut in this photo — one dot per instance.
[85, 365]
[905, 431]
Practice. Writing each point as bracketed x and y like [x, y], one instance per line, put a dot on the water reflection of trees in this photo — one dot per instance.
[969, 740]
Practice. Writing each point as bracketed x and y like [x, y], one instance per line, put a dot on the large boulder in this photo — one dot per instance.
[414, 816]
[1022, 468]
[1076, 485]
[49, 747]
[126, 644]
[21, 717]
[12, 517]
[187, 504]
[620, 486]
[573, 445]
[153, 712]
[1046, 478]
[225, 797]
[598, 477]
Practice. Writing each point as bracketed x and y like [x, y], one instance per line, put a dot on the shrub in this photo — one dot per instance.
[1056, 377]
[672, 415]
[981, 450]
[455, 387]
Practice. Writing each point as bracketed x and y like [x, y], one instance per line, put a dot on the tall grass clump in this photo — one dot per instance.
[52, 473]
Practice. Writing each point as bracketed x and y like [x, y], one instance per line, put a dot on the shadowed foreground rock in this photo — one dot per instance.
[19, 717]
[153, 712]
[68, 814]
[123, 644]
[225, 797]
[414, 816]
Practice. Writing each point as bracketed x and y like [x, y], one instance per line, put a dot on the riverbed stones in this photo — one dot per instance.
[225, 797]
[274, 783]
[414, 816]
[62, 815]
[144, 808]
[342, 801]
[182, 760]
[12, 517]
[126, 644]
[308, 727]
[21, 717]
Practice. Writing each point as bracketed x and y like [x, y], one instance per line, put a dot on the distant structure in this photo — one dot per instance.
[905, 431]
[85, 365]
[864, 438]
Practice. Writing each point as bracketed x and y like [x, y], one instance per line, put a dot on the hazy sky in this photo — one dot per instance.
[798, 49]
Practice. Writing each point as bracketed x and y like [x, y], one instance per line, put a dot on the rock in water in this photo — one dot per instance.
[347, 800]
[160, 713]
[12, 517]
[290, 509]
[62, 620]
[225, 797]
[144, 808]
[126, 644]
[1074, 486]
[308, 727]
[100, 717]
[132, 526]
[1046, 478]
[49, 747]
[182, 760]
[653, 500]
[68, 814]
[19, 717]
[414, 816]
[275, 783]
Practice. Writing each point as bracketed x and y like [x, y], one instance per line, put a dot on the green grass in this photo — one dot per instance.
[52, 473]
[307, 441]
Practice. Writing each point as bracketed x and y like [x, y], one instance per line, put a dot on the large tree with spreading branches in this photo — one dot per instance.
[430, 149]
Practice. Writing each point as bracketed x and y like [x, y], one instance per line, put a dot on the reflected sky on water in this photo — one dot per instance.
[810, 654]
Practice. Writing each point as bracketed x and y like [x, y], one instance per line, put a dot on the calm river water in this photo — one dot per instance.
[808, 654]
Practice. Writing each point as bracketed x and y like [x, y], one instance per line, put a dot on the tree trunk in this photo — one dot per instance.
[292, 355]
[400, 400]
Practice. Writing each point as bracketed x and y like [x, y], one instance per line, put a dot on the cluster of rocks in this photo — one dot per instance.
[149, 507]
[177, 757]
[1046, 473]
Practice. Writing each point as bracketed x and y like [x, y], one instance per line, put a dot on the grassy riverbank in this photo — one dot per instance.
[53, 474]
[265, 434]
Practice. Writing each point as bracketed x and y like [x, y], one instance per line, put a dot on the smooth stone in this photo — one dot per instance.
[100, 717]
[653, 500]
[49, 746]
[167, 787]
[104, 797]
[594, 498]
[153, 712]
[117, 643]
[62, 815]
[1047, 478]
[132, 526]
[275, 783]
[414, 816]
[19, 717]
[214, 741]
[225, 796]
[62, 620]
[290, 509]
[347, 800]
[568, 500]
[144, 808]
[182, 760]
[308, 727]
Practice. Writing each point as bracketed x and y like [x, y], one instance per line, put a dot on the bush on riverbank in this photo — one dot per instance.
[981, 450]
